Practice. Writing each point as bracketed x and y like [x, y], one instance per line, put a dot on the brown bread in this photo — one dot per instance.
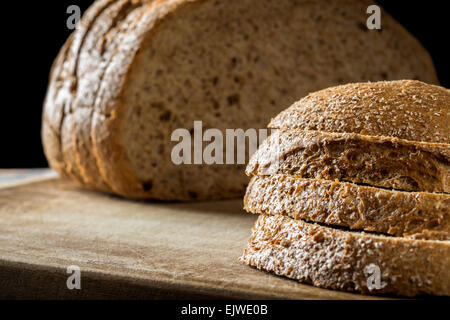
[377, 161]
[344, 260]
[410, 110]
[417, 214]
[134, 71]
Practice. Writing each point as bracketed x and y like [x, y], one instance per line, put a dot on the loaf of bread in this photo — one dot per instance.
[350, 261]
[414, 214]
[134, 71]
[373, 160]
[357, 158]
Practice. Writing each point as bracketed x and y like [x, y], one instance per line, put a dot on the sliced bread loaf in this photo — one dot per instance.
[350, 261]
[417, 214]
[134, 71]
[410, 110]
[377, 161]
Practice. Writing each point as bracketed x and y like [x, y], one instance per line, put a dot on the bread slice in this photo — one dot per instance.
[59, 98]
[68, 114]
[350, 261]
[377, 161]
[134, 71]
[410, 110]
[105, 34]
[418, 214]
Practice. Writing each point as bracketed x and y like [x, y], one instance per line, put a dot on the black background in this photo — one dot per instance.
[33, 32]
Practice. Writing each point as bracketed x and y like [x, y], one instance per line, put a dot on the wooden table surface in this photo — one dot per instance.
[127, 249]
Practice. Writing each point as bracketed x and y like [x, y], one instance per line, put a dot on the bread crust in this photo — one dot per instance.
[416, 214]
[406, 109]
[377, 161]
[52, 116]
[98, 41]
[109, 110]
[106, 36]
[58, 103]
[342, 260]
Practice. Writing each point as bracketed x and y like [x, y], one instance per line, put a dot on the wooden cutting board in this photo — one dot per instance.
[128, 249]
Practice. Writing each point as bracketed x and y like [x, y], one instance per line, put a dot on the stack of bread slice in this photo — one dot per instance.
[353, 190]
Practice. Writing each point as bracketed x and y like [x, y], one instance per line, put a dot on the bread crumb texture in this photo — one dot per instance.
[412, 214]
[385, 162]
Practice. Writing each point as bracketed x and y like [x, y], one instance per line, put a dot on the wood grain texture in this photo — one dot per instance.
[12, 177]
[128, 249]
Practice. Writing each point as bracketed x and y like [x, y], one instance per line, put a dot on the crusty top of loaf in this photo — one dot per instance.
[406, 109]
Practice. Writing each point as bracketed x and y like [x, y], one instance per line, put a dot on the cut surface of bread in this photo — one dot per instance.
[416, 214]
[410, 110]
[134, 71]
[349, 261]
[376, 161]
